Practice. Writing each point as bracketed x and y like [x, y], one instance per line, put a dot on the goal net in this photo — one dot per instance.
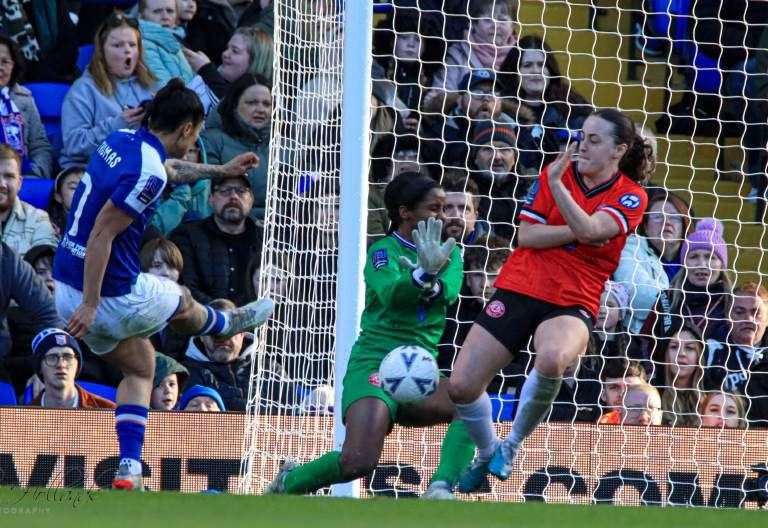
[670, 403]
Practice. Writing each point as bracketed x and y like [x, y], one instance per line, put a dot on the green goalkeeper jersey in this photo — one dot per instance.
[398, 311]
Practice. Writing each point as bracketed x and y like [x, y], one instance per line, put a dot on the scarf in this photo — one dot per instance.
[12, 127]
[488, 53]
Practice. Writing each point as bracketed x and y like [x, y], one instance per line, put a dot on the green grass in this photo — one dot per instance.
[170, 510]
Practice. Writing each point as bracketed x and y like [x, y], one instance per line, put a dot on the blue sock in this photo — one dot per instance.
[130, 423]
[216, 322]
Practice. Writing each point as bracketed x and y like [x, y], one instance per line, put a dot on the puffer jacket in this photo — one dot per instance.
[27, 227]
[222, 147]
[162, 53]
[39, 151]
[642, 273]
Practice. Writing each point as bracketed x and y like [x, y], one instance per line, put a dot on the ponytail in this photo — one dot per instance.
[408, 190]
[172, 106]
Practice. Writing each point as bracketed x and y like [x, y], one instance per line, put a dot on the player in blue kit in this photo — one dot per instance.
[100, 290]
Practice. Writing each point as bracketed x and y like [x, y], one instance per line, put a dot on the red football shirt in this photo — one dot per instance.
[573, 274]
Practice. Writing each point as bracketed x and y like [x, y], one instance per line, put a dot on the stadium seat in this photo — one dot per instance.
[49, 98]
[105, 391]
[503, 407]
[7, 394]
[36, 192]
[84, 54]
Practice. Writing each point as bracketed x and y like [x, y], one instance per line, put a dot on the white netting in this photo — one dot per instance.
[692, 75]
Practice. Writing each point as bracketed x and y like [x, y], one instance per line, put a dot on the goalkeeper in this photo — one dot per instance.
[405, 303]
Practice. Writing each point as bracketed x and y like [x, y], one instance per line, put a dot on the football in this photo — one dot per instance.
[409, 374]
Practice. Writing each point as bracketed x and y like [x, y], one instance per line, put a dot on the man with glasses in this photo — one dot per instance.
[58, 361]
[217, 249]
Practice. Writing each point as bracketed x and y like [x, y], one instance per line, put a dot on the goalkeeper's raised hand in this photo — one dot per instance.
[431, 252]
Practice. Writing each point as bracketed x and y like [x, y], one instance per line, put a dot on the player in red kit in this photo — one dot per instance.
[569, 242]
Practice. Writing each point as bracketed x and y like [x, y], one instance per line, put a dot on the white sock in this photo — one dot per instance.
[535, 402]
[477, 417]
[134, 465]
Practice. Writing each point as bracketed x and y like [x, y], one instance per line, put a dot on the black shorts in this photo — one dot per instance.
[513, 317]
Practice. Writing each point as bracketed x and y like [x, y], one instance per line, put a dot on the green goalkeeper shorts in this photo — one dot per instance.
[362, 381]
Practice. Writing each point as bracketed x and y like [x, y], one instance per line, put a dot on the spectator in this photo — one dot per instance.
[170, 375]
[23, 226]
[666, 225]
[549, 107]
[185, 13]
[641, 405]
[678, 373]
[64, 190]
[225, 365]
[246, 114]
[162, 45]
[494, 157]
[184, 202]
[609, 334]
[479, 101]
[109, 94]
[616, 376]
[211, 28]
[482, 262]
[58, 362]
[739, 363]
[41, 259]
[462, 198]
[216, 250]
[276, 274]
[250, 50]
[492, 36]
[161, 257]
[201, 399]
[723, 410]
[20, 124]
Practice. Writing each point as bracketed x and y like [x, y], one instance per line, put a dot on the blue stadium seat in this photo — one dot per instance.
[36, 191]
[49, 97]
[84, 54]
[503, 407]
[7, 394]
[105, 391]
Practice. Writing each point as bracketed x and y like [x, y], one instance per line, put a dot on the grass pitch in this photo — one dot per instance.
[81, 509]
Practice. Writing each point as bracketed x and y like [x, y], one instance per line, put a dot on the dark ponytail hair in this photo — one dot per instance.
[407, 189]
[624, 132]
[173, 105]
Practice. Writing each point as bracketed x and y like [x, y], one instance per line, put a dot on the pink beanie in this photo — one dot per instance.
[708, 235]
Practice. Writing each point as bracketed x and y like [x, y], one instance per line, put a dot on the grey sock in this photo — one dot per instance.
[535, 401]
[477, 417]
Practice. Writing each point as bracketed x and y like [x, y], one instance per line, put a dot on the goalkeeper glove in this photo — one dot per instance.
[431, 252]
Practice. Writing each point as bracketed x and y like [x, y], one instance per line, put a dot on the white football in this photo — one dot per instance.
[409, 374]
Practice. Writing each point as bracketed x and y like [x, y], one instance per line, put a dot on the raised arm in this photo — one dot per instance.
[542, 236]
[110, 222]
[180, 171]
[588, 229]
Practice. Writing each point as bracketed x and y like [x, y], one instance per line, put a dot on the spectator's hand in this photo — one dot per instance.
[133, 116]
[196, 59]
[557, 168]
[239, 165]
[81, 321]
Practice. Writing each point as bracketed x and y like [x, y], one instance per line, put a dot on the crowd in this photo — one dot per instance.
[457, 96]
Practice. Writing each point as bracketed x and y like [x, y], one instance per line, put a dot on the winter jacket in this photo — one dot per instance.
[215, 263]
[162, 53]
[642, 273]
[85, 400]
[20, 283]
[222, 147]
[211, 28]
[39, 151]
[231, 380]
[89, 116]
[27, 227]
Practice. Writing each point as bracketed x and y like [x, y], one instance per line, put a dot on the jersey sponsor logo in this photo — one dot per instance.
[374, 379]
[630, 201]
[495, 309]
[150, 191]
[379, 259]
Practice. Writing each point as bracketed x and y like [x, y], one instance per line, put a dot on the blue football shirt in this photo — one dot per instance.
[128, 169]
